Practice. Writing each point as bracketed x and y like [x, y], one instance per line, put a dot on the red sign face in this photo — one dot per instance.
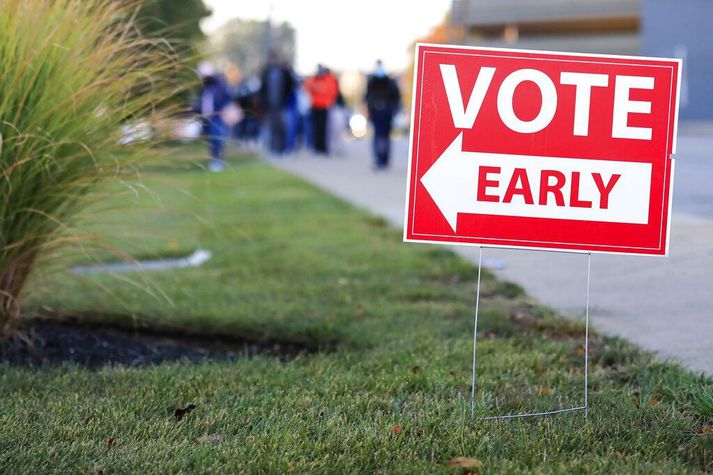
[561, 151]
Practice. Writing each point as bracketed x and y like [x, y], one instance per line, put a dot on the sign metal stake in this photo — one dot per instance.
[475, 331]
[584, 407]
[586, 340]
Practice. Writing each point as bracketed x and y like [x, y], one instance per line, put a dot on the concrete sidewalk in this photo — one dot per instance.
[662, 304]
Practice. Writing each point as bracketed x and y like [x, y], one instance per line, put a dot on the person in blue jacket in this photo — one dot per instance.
[213, 98]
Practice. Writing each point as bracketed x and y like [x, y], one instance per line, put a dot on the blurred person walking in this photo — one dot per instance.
[304, 119]
[276, 94]
[247, 96]
[212, 101]
[383, 100]
[336, 125]
[323, 90]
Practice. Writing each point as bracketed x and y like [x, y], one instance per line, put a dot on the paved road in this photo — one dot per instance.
[663, 304]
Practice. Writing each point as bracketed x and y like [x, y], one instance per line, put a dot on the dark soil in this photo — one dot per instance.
[44, 342]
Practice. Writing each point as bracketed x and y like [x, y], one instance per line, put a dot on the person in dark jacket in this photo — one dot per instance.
[213, 98]
[248, 99]
[277, 92]
[383, 100]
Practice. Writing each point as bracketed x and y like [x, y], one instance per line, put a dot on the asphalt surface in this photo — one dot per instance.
[664, 304]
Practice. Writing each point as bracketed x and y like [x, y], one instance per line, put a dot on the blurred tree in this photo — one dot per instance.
[246, 43]
[176, 20]
[442, 33]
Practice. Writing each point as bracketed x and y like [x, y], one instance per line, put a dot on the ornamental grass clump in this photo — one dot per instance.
[73, 74]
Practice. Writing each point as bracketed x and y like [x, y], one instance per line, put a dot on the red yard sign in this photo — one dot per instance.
[563, 151]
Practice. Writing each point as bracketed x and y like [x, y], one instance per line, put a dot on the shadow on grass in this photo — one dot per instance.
[51, 342]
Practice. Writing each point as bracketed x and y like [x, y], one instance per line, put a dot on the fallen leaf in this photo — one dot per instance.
[452, 372]
[416, 369]
[180, 413]
[110, 442]
[395, 429]
[580, 351]
[543, 390]
[654, 402]
[705, 429]
[464, 462]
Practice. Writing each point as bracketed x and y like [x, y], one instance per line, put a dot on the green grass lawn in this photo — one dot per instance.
[387, 387]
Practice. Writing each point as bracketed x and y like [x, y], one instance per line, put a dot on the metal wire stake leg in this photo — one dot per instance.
[586, 341]
[585, 406]
[475, 331]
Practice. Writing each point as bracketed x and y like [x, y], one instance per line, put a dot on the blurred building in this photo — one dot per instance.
[586, 26]
[666, 28]
[684, 29]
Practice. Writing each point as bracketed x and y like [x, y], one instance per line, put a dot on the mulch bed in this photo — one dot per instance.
[43, 342]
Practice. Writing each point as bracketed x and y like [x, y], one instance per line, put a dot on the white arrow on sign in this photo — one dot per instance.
[588, 190]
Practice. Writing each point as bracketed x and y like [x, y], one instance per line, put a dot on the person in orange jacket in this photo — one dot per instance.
[323, 89]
